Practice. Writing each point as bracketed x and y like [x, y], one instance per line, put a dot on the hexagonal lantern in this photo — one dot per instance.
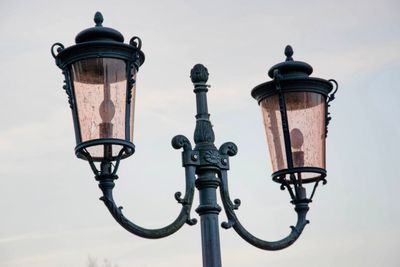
[100, 72]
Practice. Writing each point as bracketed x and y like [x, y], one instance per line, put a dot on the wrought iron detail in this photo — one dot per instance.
[233, 222]
[212, 156]
[203, 132]
[285, 184]
[181, 141]
[199, 74]
[211, 174]
[329, 99]
[106, 184]
[324, 182]
[67, 88]
[136, 42]
[60, 47]
[229, 149]
[205, 166]
[131, 81]
[106, 176]
[285, 124]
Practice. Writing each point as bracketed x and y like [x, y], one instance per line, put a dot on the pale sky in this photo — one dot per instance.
[51, 215]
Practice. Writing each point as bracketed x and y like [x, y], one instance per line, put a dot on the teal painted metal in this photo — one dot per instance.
[206, 166]
[99, 42]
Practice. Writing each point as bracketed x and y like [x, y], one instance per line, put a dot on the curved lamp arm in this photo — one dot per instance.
[301, 209]
[106, 184]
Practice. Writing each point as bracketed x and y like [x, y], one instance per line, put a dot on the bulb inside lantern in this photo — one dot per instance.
[297, 140]
[107, 112]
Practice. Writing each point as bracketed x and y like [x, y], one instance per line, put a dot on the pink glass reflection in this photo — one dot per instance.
[100, 93]
[306, 119]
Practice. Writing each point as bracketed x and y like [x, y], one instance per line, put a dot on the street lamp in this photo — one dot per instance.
[100, 73]
[100, 77]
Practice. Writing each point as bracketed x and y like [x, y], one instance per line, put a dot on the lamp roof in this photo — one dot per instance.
[99, 33]
[291, 67]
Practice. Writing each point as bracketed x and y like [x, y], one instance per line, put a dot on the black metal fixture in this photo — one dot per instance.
[100, 72]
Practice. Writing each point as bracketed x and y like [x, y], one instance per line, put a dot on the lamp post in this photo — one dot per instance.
[100, 77]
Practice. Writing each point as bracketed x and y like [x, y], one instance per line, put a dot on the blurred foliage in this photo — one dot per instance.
[92, 262]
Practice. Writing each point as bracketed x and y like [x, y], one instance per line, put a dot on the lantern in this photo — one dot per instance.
[295, 113]
[100, 80]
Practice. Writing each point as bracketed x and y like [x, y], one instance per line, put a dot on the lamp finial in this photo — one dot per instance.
[199, 73]
[289, 53]
[98, 19]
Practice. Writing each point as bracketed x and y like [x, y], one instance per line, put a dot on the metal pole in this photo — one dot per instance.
[207, 180]
[208, 210]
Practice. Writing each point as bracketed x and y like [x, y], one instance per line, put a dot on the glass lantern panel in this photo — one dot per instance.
[274, 133]
[306, 119]
[100, 93]
[306, 113]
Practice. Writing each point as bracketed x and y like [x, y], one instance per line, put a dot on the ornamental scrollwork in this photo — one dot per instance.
[203, 132]
[67, 88]
[131, 82]
[329, 99]
[212, 156]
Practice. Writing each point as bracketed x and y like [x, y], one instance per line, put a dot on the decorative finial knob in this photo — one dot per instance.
[98, 19]
[289, 53]
[199, 73]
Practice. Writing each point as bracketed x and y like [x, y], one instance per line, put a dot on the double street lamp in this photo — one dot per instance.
[100, 81]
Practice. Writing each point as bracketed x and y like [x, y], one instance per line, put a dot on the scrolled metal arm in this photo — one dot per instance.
[106, 184]
[301, 209]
